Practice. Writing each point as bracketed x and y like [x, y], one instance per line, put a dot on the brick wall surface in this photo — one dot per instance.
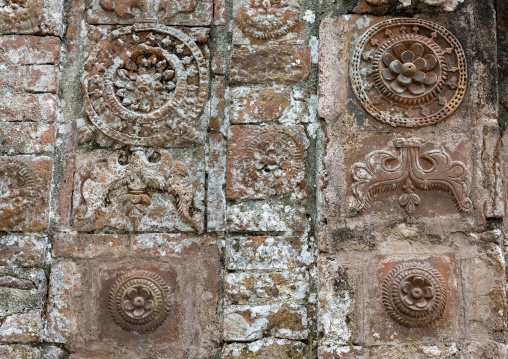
[253, 179]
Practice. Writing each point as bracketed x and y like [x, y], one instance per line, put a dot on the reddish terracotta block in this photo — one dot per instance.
[266, 161]
[24, 193]
[409, 299]
[178, 302]
[36, 78]
[180, 12]
[87, 246]
[258, 105]
[27, 137]
[28, 107]
[29, 50]
[280, 64]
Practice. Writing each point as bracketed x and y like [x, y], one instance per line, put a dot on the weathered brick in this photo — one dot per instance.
[275, 217]
[64, 288]
[248, 323]
[268, 253]
[19, 352]
[217, 113]
[21, 289]
[216, 207]
[25, 137]
[25, 250]
[258, 105]
[247, 287]
[22, 327]
[267, 348]
[281, 64]
[28, 107]
[29, 50]
[36, 78]
[168, 245]
[86, 246]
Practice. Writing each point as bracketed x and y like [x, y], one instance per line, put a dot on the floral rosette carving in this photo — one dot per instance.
[414, 295]
[269, 19]
[140, 301]
[409, 72]
[17, 187]
[274, 160]
[145, 85]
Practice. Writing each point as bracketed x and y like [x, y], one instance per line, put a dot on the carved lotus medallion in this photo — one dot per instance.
[409, 72]
[414, 295]
[269, 19]
[140, 301]
[145, 85]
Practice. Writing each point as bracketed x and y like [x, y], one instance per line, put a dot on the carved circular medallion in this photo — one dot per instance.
[145, 84]
[409, 72]
[414, 295]
[269, 19]
[274, 158]
[140, 301]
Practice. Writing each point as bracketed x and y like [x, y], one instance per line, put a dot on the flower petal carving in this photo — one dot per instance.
[384, 171]
[414, 295]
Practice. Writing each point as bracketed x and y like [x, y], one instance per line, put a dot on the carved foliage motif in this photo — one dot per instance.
[407, 169]
[145, 85]
[409, 72]
[269, 19]
[18, 190]
[140, 301]
[113, 187]
[414, 295]
[148, 10]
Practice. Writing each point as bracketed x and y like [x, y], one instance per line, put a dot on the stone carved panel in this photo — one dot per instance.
[409, 170]
[24, 190]
[170, 12]
[137, 193]
[268, 19]
[146, 85]
[266, 161]
[409, 72]
[140, 301]
[414, 295]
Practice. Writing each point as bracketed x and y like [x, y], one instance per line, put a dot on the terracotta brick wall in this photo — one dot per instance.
[253, 179]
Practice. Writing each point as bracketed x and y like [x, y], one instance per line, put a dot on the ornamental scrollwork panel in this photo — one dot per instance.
[411, 171]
